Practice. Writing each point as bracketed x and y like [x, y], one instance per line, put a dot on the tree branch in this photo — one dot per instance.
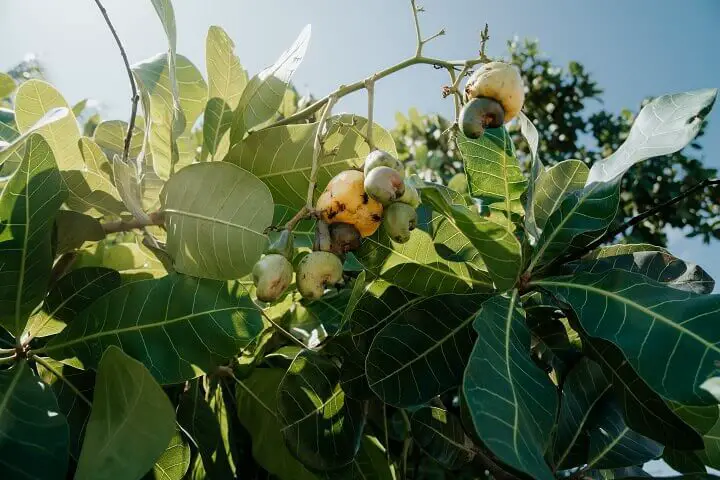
[133, 86]
[317, 149]
[156, 218]
[416, 21]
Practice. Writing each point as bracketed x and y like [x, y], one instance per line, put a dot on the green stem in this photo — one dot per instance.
[60, 376]
[407, 443]
[317, 150]
[10, 359]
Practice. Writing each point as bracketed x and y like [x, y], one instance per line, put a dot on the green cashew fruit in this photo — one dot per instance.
[283, 245]
[411, 196]
[271, 275]
[344, 238]
[384, 185]
[316, 272]
[400, 219]
[479, 114]
[381, 158]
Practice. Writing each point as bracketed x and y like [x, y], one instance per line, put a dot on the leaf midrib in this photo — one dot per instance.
[212, 220]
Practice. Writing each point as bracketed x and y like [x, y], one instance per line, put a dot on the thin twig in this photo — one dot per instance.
[317, 150]
[133, 86]
[156, 218]
[10, 359]
[484, 37]
[416, 21]
[370, 86]
[301, 214]
[60, 376]
[634, 221]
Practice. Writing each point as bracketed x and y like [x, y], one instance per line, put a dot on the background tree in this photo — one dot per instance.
[561, 102]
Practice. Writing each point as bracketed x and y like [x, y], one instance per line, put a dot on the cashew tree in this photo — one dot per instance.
[273, 295]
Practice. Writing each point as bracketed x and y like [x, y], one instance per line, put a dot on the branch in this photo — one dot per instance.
[156, 218]
[416, 21]
[635, 220]
[370, 86]
[317, 148]
[133, 86]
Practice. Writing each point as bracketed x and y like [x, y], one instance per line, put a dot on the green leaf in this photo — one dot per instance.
[664, 333]
[133, 260]
[8, 129]
[528, 130]
[34, 432]
[71, 294]
[582, 390]
[226, 77]
[28, 205]
[217, 121]
[371, 463]
[683, 461]
[166, 13]
[256, 400]
[645, 411]
[131, 422]
[264, 93]
[212, 232]
[492, 170]
[430, 340]
[357, 292]
[10, 154]
[174, 462]
[663, 126]
[110, 136]
[440, 434]
[659, 266]
[94, 191]
[7, 85]
[73, 229]
[554, 184]
[622, 249]
[492, 235]
[511, 401]
[178, 326]
[321, 425]
[417, 266]
[613, 445]
[129, 181]
[282, 156]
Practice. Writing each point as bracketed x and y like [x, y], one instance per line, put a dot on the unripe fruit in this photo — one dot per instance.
[499, 81]
[283, 245]
[316, 272]
[400, 220]
[271, 275]
[380, 158]
[344, 238]
[384, 185]
[345, 201]
[479, 114]
[411, 196]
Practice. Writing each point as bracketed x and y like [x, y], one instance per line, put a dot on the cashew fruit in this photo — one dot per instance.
[271, 275]
[345, 201]
[400, 220]
[384, 185]
[381, 158]
[316, 272]
[499, 81]
[344, 238]
[411, 196]
[479, 114]
[283, 245]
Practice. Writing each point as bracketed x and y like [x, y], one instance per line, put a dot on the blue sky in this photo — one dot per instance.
[633, 48]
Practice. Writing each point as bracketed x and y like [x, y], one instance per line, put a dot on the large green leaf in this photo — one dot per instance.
[132, 259]
[178, 326]
[492, 170]
[583, 389]
[94, 191]
[622, 249]
[422, 352]
[645, 411]
[131, 423]
[659, 266]
[11, 154]
[216, 123]
[264, 93]
[73, 229]
[7, 85]
[282, 156]
[71, 294]
[511, 401]
[256, 403]
[554, 184]
[492, 235]
[110, 136]
[667, 335]
[371, 463]
[611, 442]
[166, 13]
[440, 434]
[663, 126]
[169, 147]
[216, 215]
[174, 461]
[33, 432]
[417, 266]
[321, 425]
[28, 205]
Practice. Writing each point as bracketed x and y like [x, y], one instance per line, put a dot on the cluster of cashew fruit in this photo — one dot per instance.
[494, 94]
[353, 206]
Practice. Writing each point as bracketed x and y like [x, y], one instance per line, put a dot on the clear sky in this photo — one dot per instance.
[633, 48]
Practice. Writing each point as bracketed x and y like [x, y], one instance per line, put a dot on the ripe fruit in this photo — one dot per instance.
[400, 220]
[344, 238]
[479, 114]
[380, 158]
[316, 272]
[271, 275]
[384, 185]
[411, 196]
[345, 201]
[499, 81]
[283, 245]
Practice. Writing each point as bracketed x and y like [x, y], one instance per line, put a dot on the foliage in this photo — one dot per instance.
[500, 338]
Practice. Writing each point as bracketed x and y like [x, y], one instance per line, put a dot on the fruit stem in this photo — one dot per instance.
[370, 87]
[317, 149]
